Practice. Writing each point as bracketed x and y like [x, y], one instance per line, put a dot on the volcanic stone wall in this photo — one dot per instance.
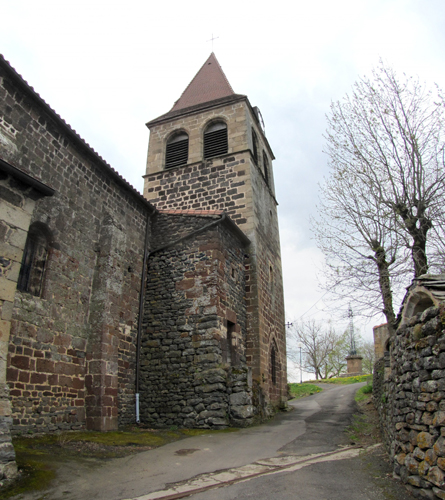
[237, 183]
[72, 349]
[193, 364]
[411, 403]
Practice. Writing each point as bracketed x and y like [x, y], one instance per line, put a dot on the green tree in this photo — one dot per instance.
[368, 353]
[337, 364]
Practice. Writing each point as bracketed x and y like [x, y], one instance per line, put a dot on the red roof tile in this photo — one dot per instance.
[210, 83]
[190, 212]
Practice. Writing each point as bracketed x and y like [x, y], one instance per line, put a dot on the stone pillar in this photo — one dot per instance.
[354, 365]
[101, 380]
[381, 336]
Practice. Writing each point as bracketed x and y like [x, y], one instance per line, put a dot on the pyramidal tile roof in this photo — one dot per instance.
[209, 84]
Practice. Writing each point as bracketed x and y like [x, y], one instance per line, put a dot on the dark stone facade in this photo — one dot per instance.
[75, 301]
[236, 183]
[194, 370]
[72, 348]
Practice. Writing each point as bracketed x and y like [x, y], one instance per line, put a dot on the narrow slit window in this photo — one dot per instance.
[33, 262]
[215, 140]
[177, 151]
[273, 365]
[255, 146]
[266, 167]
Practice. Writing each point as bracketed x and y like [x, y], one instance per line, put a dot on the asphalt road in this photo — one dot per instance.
[304, 453]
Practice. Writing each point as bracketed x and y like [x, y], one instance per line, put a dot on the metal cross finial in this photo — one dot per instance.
[211, 40]
[289, 324]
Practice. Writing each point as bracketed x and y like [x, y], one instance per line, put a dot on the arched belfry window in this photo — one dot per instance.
[177, 150]
[266, 167]
[215, 140]
[34, 260]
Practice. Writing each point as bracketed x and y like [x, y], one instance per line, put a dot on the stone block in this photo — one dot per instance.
[423, 468]
[425, 440]
[7, 453]
[5, 327]
[439, 493]
[7, 308]
[7, 289]
[242, 411]
[436, 476]
[439, 447]
[240, 398]
[15, 216]
[431, 457]
[8, 470]
[418, 454]
[411, 464]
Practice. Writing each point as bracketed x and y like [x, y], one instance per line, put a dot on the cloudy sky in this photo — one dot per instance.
[108, 67]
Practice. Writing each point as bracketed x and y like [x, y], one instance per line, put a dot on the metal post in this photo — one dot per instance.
[301, 370]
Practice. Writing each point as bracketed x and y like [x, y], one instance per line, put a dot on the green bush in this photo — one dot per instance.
[367, 389]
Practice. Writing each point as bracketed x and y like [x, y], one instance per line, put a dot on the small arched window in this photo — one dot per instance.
[255, 146]
[34, 260]
[215, 140]
[273, 364]
[266, 167]
[177, 150]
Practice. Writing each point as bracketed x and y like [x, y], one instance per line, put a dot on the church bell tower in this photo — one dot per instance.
[210, 152]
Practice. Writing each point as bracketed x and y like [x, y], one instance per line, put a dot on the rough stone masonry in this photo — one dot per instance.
[410, 393]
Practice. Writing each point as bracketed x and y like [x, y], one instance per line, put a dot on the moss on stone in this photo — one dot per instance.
[417, 332]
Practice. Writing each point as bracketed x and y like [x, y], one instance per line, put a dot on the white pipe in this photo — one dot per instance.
[137, 408]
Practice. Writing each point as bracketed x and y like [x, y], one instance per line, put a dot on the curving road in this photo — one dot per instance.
[303, 453]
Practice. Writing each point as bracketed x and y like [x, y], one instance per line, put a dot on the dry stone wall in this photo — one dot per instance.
[410, 399]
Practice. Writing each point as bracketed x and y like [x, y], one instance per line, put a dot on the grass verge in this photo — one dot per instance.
[345, 380]
[39, 456]
[302, 390]
[364, 428]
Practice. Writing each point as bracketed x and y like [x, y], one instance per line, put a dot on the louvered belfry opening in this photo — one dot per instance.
[177, 151]
[215, 140]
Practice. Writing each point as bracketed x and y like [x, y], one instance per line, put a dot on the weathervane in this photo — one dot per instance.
[211, 40]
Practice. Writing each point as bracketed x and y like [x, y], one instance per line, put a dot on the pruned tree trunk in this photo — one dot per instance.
[385, 285]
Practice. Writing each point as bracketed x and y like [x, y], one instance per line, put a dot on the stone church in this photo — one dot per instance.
[164, 308]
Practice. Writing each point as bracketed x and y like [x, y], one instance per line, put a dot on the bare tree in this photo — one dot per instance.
[385, 194]
[318, 341]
